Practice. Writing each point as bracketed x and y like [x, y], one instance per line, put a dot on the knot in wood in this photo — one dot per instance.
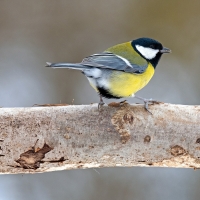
[128, 118]
[177, 150]
[147, 139]
[198, 141]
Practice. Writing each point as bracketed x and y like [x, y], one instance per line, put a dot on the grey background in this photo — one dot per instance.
[33, 32]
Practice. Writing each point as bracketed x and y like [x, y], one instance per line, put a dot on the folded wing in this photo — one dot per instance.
[109, 60]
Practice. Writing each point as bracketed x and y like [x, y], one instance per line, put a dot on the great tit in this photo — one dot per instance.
[121, 70]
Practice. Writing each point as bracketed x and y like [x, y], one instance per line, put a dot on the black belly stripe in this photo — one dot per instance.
[105, 93]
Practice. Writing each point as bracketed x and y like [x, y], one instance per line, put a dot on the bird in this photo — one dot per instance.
[121, 70]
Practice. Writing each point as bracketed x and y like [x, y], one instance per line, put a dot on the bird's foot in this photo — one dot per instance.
[101, 103]
[147, 102]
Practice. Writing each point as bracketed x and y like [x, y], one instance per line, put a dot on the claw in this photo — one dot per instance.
[146, 106]
[146, 103]
[100, 104]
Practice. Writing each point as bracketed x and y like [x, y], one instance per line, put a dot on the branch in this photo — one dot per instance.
[41, 139]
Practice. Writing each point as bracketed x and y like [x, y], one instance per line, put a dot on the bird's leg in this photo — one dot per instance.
[101, 103]
[146, 102]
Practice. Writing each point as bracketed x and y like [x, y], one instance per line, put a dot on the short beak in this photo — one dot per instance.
[165, 50]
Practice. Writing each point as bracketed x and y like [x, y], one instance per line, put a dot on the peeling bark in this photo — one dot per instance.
[70, 137]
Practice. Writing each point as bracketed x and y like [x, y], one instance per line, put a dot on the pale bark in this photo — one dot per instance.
[71, 137]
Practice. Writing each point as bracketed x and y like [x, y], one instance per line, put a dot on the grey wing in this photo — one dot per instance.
[109, 60]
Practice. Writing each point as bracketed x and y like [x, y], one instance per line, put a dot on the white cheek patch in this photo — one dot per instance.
[147, 52]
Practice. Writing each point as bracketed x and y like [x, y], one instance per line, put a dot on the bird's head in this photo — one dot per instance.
[149, 49]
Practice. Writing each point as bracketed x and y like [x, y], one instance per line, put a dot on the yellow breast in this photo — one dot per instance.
[126, 84]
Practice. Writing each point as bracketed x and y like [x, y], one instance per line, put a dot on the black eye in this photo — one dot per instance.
[152, 46]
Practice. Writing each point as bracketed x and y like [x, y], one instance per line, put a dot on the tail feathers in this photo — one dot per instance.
[77, 66]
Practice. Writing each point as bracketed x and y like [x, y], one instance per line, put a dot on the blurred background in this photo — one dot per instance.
[33, 32]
